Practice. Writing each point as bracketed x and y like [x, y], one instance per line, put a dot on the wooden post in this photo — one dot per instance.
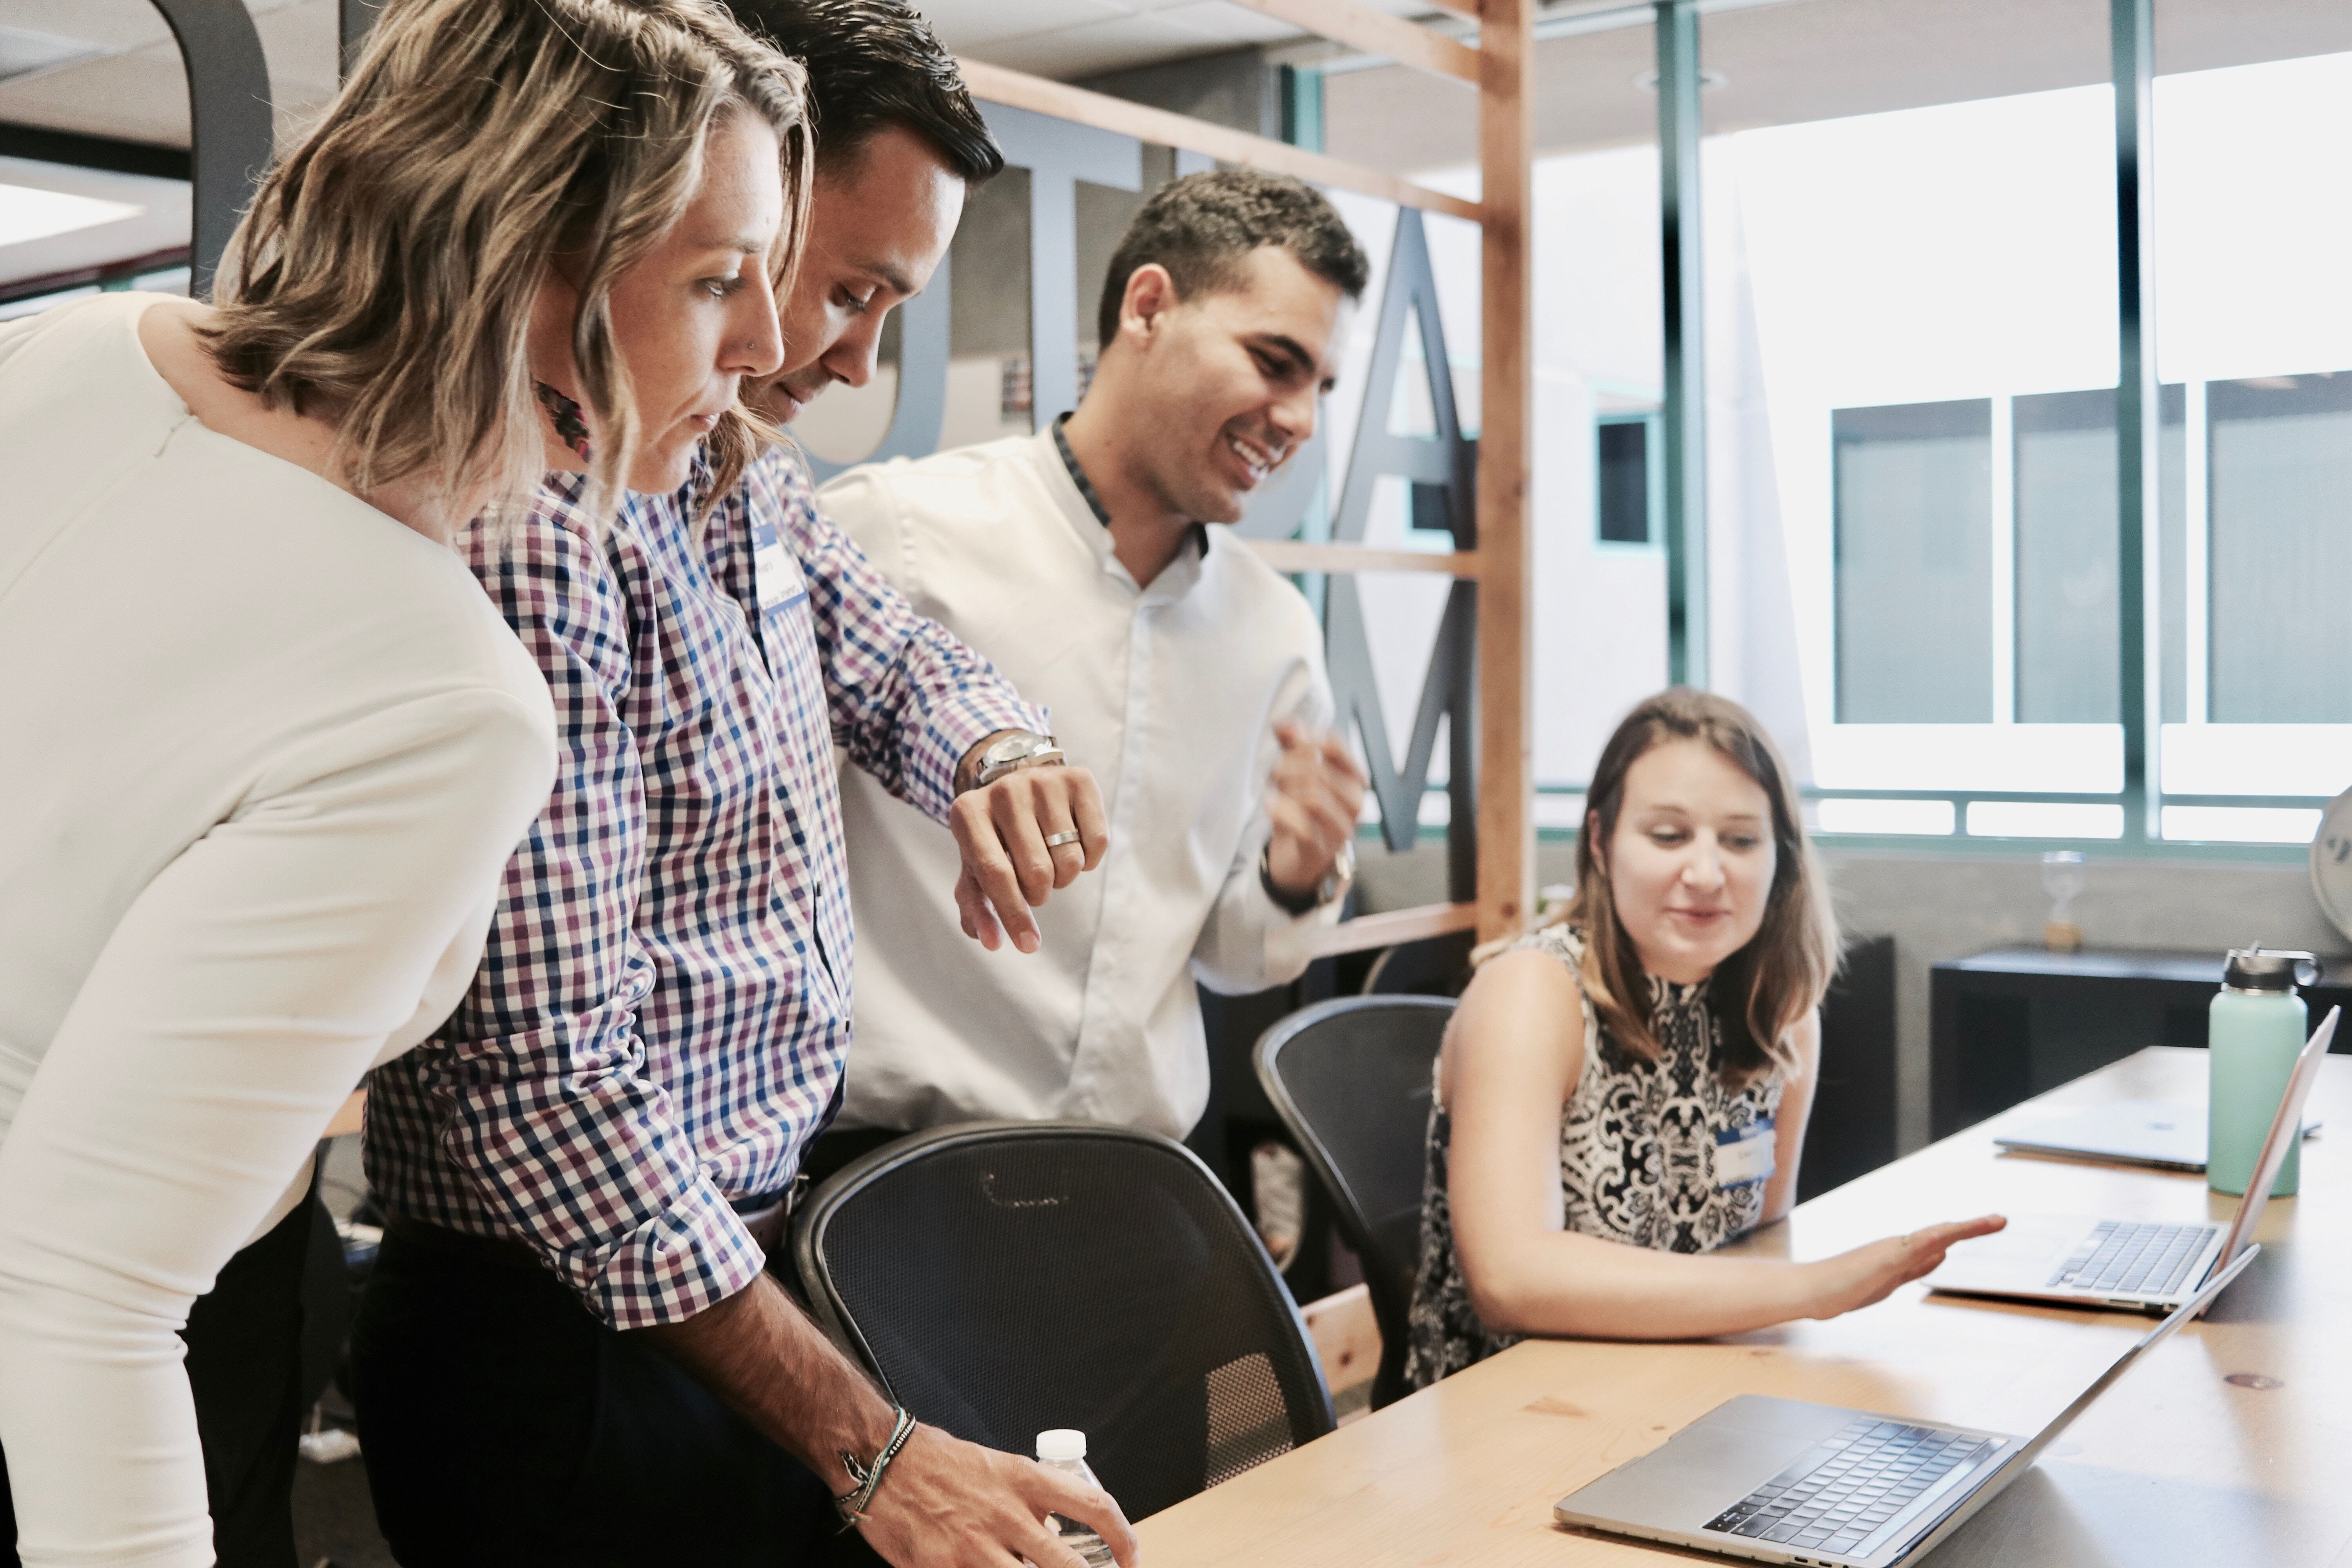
[1507, 848]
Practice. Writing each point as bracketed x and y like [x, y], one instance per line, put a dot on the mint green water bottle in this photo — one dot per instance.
[2256, 1027]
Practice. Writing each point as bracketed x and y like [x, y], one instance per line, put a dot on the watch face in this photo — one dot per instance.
[1006, 749]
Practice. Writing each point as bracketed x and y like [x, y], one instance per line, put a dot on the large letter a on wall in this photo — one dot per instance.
[1440, 467]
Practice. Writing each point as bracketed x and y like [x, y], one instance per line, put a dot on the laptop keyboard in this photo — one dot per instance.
[1842, 1491]
[2121, 1257]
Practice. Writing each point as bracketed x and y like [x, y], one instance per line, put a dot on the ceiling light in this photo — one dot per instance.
[28, 213]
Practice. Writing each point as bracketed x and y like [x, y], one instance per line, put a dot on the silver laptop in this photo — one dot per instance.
[2143, 1266]
[2126, 1132]
[2151, 1132]
[1781, 1481]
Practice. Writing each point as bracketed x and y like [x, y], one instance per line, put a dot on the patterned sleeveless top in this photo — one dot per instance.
[1637, 1159]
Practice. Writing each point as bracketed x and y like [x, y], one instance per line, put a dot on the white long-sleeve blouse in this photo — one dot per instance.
[263, 754]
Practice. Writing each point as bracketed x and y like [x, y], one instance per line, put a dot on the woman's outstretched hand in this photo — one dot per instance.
[1871, 1273]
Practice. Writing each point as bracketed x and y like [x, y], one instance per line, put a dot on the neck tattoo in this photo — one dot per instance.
[571, 423]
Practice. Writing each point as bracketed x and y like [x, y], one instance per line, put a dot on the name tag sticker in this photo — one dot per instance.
[777, 574]
[1743, 1155]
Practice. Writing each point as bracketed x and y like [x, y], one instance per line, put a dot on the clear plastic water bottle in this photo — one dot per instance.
[1065, 1449]
[2255, 1030]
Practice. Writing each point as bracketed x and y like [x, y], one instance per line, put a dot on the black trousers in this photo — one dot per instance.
[245, 1356]
[830, 1151]
[505, 1425]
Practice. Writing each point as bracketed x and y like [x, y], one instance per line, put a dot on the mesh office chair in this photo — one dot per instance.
[1349, 1078]
[1007, 1276]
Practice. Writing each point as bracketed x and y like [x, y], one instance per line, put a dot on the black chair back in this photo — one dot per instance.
[1349, 1078]
[1002, 1278]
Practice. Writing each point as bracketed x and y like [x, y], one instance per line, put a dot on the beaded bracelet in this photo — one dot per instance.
[852, 1506]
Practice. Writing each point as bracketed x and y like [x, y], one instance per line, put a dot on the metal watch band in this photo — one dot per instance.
[1041, 752]
[1334, 883]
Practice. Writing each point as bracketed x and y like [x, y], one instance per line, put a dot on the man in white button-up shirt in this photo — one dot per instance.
[1180, 667]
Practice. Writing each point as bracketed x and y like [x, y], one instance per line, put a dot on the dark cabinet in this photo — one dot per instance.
[2006, 1025]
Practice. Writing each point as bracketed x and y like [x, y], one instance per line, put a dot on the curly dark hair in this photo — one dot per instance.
[873, 63]
[1198, 228]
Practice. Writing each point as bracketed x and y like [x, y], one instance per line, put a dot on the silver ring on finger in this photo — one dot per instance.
[1056, 840]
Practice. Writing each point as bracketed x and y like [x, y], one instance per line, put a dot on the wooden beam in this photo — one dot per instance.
[1366, 932]
[1020, 91]
[1465, 9]
[1506, 844]
[1300, 555]
[1376, 33]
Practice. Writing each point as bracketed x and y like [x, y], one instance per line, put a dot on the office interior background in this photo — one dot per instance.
[1911, 564]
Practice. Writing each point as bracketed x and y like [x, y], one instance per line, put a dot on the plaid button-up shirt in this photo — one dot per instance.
[660, 1018]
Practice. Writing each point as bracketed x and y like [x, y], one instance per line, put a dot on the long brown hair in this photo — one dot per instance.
[385, 272]
[1765, 989]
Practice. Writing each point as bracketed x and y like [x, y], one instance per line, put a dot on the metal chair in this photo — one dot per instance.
[1002, 1278]
[1349, 1078]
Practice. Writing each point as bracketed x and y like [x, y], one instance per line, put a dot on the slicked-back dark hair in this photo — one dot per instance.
[875, 63]
[1200, 227]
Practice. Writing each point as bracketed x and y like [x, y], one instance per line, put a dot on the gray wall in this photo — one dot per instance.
[991, 298]
[1948, 906]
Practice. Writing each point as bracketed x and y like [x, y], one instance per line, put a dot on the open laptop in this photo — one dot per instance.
[1781, 1481]
[2142, 1266]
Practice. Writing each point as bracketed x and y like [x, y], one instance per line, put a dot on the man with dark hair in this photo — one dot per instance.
[1187, 672]
[897, 144]
[573, 1348]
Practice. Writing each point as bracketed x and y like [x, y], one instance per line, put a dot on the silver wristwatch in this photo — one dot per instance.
[1012, 753]
[1333, 885]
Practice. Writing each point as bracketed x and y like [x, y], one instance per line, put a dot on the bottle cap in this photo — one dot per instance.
[1061, 1444]
[2268, 969]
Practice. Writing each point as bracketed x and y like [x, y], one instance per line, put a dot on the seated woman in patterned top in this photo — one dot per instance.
[1626, 1092]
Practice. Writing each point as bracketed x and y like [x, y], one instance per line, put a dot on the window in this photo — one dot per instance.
[1914, 562]
[2279, 550]
[1625, 454]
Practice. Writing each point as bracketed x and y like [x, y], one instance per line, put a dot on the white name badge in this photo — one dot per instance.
[1743, 1155]
[777, 574]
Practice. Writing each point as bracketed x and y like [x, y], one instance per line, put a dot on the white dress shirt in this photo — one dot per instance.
[1168, 695]
[267, 753]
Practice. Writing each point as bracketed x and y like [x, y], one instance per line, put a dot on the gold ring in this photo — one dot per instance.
[1056, 840]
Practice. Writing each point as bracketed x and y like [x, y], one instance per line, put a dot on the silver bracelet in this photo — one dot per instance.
[852, 1506]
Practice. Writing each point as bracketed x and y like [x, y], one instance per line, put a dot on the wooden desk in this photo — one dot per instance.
[2173, 1466]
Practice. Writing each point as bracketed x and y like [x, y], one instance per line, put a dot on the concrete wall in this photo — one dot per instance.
[1948, 906]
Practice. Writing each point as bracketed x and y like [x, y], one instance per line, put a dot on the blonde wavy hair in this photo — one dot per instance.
[1767, 988]
[384, 273]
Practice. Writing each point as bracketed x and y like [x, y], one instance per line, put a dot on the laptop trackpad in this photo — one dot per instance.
[2026, 1253]
[1707, 1466]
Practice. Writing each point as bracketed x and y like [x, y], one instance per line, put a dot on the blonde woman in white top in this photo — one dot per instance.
[268, 743]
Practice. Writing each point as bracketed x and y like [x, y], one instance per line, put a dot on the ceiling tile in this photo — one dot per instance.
[142, 96]
[303, 45]
[1231, 26]
[971, 25]
[103, 24]
[1071, 52]
[23, 51]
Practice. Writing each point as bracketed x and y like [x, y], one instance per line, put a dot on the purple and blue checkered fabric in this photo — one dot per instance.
[661, 1015]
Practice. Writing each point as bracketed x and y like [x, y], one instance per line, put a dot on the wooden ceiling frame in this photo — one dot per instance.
[1502, 66]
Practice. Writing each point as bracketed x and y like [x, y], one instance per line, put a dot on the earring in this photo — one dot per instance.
[570, 421]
